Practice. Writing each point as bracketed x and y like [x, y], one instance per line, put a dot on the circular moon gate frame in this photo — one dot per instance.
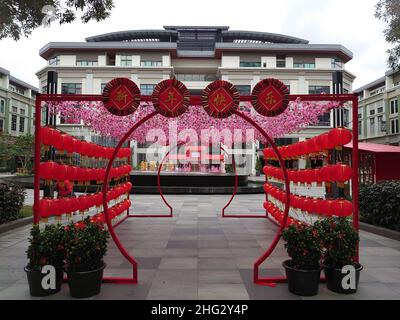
[196, 100]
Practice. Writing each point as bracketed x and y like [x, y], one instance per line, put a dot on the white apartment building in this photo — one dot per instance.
[17, 105]
[378, 112]
[196, 55]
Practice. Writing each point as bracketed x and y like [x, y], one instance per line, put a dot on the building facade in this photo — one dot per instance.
[197, 56]
[17, 105]
[378, 114]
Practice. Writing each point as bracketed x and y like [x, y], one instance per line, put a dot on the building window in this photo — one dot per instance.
[1, 125]
[319, 89]
[149, 63]
[281, 61]
[21, 124]
[71, 88]
[13, 123]
[244, 90]
[2, 106]
[372, 126]
[14, 109]
[324, 120]
[126, 61]
[86, 63]
[22, 111]
[304, 65]
[371, 112]
[54, 61]
[359, 128]
[103, 85]
[250, 64]
[346, 117]
[336, 63]
[17, 89]
[381, 124]
[394, 106]
[147, 89]
[380, 110]
[196, 77]
[359, 116]
[394, 126]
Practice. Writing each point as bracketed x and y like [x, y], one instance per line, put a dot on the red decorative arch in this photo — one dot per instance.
[257, 279]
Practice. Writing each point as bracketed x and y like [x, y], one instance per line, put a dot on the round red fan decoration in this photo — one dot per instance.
[121, 96]
[270, 97]
[171, 98]
[220, 99]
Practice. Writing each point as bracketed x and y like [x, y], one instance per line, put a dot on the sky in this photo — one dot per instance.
[347, 22]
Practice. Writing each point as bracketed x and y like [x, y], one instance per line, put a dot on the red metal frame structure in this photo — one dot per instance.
[196, 100]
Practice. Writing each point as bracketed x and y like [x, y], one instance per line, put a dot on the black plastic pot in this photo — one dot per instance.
[85, 284]
[35, 282]
[302, 282]
[335, 276]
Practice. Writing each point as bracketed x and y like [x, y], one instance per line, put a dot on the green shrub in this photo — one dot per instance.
[86, 246]
[380, 204]
[339, 240]
[11, 201]
[47, 247]
[304, 246]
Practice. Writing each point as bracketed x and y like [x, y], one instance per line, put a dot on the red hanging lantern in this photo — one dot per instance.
[62, 173]
[48, 170]
[342, 208]
[340, 137]
[43, 208]
[342, 173]
[327, 207]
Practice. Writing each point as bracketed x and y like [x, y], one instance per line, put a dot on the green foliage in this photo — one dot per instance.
[389, 12]
[258, 165]
[339, 240]
[47, 247]
[304, 247]
[380, 204]
[23, 149]
[86, 246]
[22, 17]
[11, 201]
[6, 142]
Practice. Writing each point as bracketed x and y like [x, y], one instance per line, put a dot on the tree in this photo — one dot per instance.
[6, 142]
[23, 150]
[23, 16]
[389, 12]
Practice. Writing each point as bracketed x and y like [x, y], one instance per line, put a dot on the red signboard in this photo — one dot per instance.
[270, 97]
[220, 99]
[171, 98]
[121, 96]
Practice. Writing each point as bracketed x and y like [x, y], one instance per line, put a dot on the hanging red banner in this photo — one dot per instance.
[220, 99]
[171, 98]
[270, 97]
[121, 96]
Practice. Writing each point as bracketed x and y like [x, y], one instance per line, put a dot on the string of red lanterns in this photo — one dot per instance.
[113, 212]
[334, 139]
[337, 172]
[56, 207]
[277, 214]
[318, 206]
[51, 170]
[69, 144]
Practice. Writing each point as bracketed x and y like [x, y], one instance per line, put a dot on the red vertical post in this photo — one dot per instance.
[355, 184]
[36, 183]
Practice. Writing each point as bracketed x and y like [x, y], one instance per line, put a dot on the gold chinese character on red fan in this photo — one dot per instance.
[121, 96]
[171, 98]
[219, 100]
[270, 99]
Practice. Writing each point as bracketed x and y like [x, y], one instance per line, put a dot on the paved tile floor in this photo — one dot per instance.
[198, 255]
